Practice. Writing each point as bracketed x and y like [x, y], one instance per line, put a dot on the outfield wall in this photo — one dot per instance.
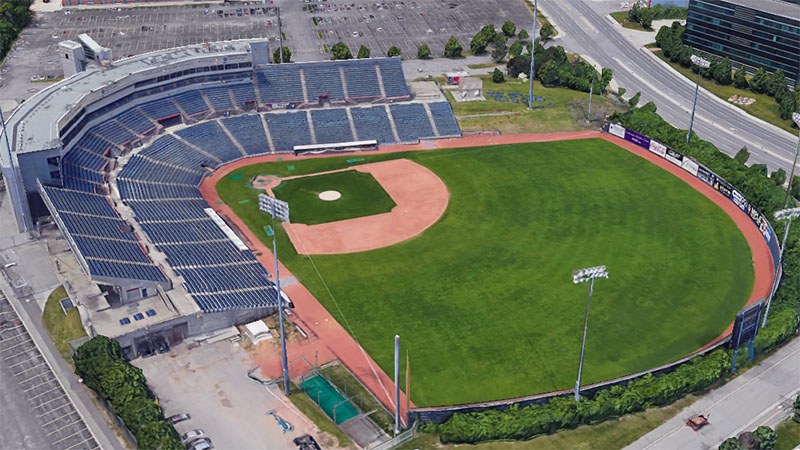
[440, 414]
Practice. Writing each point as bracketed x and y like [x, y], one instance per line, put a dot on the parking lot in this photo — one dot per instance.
[409, 24]
[210, 383]
[37, 412]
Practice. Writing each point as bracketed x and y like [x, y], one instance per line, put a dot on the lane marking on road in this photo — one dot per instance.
[749, 425]
[589, 24]
[708, 409]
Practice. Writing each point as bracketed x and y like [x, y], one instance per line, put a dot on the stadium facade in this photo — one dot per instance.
[114, 154]
[763, 33]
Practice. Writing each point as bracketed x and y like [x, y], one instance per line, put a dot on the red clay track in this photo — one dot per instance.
[342, 345]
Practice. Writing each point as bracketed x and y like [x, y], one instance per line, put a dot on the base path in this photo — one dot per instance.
[420, 198]
[341, 343]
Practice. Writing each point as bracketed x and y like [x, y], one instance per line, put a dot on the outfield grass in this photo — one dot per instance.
[484, 299]
[765, 107]
[362, 195]
[61, 328]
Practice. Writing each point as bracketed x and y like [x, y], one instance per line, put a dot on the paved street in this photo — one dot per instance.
[756, 397]
[588, 31]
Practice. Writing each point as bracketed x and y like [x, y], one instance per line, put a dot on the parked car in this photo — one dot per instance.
[177, 418]
[203, 443]
[191, 435]
[306, 442]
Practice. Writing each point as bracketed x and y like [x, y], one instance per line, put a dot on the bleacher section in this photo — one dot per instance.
[323, 79]
[160, 182]
[220, 98]
[288, 130]
[279, 83]
[249, 131]
[192, 102]
[411, 122]
[331, 126]
[99, 236]
[373, 123]
[445, 120]
[394, 82]
[209, 136]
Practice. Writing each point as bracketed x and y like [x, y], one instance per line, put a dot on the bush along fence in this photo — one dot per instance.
[122, 387]
[528, 417]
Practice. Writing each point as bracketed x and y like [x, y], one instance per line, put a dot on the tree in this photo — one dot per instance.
[523, 34]
[758, 83]
[548, 73]
[795, 188]
[93, 357]
[722, 73]
[646, 17]
[363, 52]
[500, 50]
[730, 444]
[775, 81]
[287, 55]
[423, 52]
[158, 435]
[547, 31]
[394, 51]
[740, 78]
[796, 409]
[121, 382]
[340, 50]
[635, 100]
[787, 102]
[453, 48]
[742, 155]
[478, 43]
[497, 76]
[139, 412]
[779, 177]
[515, 49]
[509, 28]
[708, 73]
[765, 438]
[635, 13]
[685, 56]
[605, 77]
[517, 65]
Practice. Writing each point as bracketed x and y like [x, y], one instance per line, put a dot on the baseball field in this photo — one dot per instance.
[484, 300]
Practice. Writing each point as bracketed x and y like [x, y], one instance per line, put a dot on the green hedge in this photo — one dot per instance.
[693, 376]
[101, 365]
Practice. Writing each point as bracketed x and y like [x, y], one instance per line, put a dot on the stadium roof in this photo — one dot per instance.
[49, 105]
[787, 9]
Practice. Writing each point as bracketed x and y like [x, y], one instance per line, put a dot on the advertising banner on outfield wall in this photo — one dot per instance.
[722, 186]
[617, 130]
[658, 148]
[739, 200]
[705, 175]
[690, 166]
[673, 157]
[638, 139]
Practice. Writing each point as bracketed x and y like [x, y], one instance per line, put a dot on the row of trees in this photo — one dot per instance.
[553, 68]
[646, 16]
[104, 370]
[340, 50]
[764, 438]
[14, 16]
[670, 39]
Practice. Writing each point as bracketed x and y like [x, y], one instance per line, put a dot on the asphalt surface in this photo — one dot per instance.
[757, 397]
[586, 30]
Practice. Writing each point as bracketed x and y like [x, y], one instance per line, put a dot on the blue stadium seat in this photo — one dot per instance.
[411, 122]
[288, 129]
[136, 121]
[139, 168]
[210, 137]
[331, 126]
[249, 131]
[244, 94]
[394, 82]
[444, 119]
[160, 109]
[373, 123]
[323, 78]
[279, 83]
[220, 98]
[362, 79]
[141, 190]
[191, 102]
[172, 151]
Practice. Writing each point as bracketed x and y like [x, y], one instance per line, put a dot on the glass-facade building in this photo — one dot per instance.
[756, 33]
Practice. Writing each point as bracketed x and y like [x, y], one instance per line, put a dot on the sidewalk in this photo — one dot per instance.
[740, 405]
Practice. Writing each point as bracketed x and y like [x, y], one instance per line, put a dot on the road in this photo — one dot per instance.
[587, 30]
[759, 396]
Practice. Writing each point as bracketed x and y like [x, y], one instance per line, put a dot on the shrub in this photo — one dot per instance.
[497, 76]
[287, 55]
[547, 31]
[515, 49]
[740, 78]
[742, 155]
[730, 444]
[765, 438]
[500, 50]
[509, 28]
[423, 52]
[722, 73]
[635, 99]
[523, 34]
[394, 51]
[340, 50]
[453, 48]
[363, 52]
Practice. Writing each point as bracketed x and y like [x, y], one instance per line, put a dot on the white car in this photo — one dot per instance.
[191, 435]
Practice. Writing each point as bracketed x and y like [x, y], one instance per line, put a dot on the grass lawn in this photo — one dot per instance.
[311, 410]
[622, 18]
[362, 195]
[765, 107]
[484, 300]
[567, 114]
[788, 435]
[62, 328]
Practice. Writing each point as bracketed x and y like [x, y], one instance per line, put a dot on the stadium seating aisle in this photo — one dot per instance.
[243, 94]
[445, 120]
[279, 83]
[288, 130]
[373, 123]
[210, 137]
[362, 79]
[138, 190]
[249, 131]
[394, 82]
[411, 122]
[192, 102]
[323, 78]
[140, 168]
[160, 109]
[169, 150]
[114, 132]
[220, 98]
[331, 126]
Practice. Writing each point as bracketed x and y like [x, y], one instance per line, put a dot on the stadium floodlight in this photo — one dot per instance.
[582, 276]
[788, 215]
[280, 209]
[703, 64]
[533, 49]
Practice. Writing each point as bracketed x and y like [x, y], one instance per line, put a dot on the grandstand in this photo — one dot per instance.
[99, 153]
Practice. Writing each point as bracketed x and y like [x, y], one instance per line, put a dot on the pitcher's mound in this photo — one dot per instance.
[330, 196]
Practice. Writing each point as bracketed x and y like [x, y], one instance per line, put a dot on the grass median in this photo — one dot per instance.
[62, 328]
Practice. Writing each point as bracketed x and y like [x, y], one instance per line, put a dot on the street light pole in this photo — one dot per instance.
[533, 49]
[783, 214]
[796, 118]
[703, 64]
[591, 92]
[582, 276]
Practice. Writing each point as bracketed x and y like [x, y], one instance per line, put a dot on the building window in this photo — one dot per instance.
[54, 161]
[55, 174]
